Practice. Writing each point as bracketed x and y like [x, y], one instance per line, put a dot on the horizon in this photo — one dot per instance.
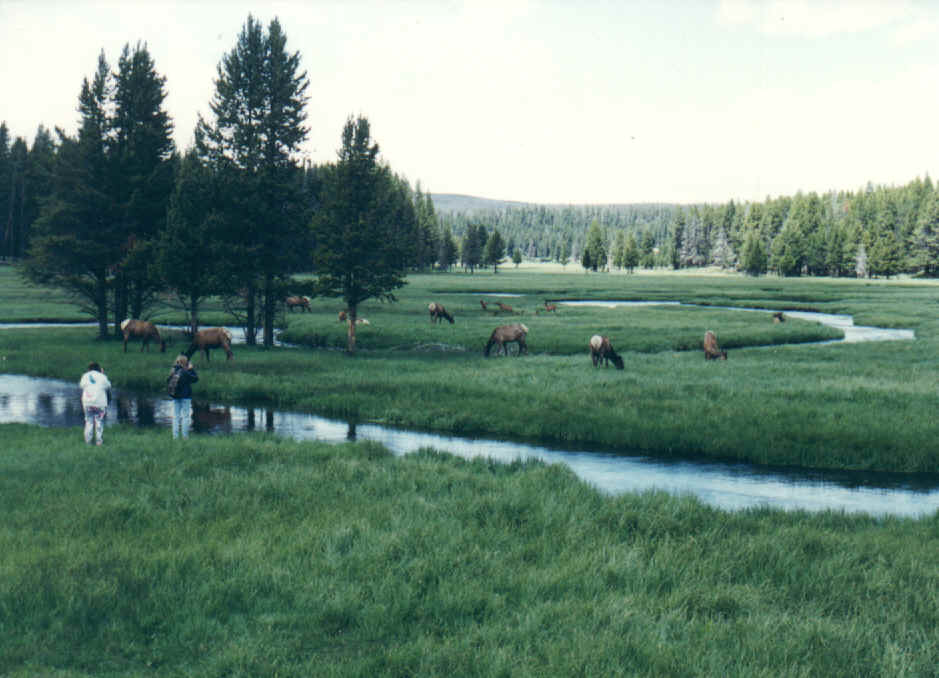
[538, 102]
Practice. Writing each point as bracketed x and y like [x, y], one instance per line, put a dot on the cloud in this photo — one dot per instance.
[904, 20]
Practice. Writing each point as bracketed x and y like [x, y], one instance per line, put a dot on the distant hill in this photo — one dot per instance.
[454, 202]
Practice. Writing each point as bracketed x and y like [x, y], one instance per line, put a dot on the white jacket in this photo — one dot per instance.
[95, 387]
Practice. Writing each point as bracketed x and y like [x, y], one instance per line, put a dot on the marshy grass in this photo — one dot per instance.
[254, 555]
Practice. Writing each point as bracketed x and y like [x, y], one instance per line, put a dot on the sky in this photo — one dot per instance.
[560, 102]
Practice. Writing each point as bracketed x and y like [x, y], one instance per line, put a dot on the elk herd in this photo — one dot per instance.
[600, 348]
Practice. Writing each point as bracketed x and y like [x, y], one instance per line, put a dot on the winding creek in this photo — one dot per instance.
[730, 486]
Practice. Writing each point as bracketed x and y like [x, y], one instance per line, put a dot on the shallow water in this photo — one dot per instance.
[52, 402]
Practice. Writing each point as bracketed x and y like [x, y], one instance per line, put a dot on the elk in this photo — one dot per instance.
[482, 302]
[601, 350]
[342, 316]
[437, 311]
[549, 307]
[303, 303]
[504, 308]
[778, 317]
[203, 340]
[712, 350]
[505, 334]
[142, 329]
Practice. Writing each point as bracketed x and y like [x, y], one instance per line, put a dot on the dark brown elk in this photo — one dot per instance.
[482, 303]
[303, 303]
[778, 317]
[437, 311]
[504, 308]
[342, 316]
[601, 350]
[506, 334]
[549, 307]
[141, 329]
[712, 350]
[204, 340]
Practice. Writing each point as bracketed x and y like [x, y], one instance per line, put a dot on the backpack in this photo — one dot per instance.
[172, 384]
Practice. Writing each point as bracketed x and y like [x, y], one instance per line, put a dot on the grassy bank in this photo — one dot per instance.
[255, 555]
[864, 406]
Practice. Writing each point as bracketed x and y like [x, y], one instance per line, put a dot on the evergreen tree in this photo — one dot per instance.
[516, 257]
[860, 262]
[447, 250]
[565, 252]
[473, 242]
[676, 239]
[619, 250]
[595, 253]
[363, 227]
[77, 243]
[6, 182]
[188, 251]
[142, 151]
[258, 127]
[630, 253]
[494, 250]
[925, 245]
[722, 254]
[753, 257]
[40, 167]
[647, 250]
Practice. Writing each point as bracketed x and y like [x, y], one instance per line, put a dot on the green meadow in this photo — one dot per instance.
[254, 555]
[776, 400]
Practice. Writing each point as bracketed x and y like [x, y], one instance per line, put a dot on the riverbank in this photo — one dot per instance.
[256, 555]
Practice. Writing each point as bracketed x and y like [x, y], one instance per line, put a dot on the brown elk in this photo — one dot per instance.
[504, 308]
[549, 307]
[601, 350]
[712, 350]
[437, 311]
[342, 316]
[303, 303]
[141, 329]
[204, 340]
[482, 302]
[778, 317]
[505, 334]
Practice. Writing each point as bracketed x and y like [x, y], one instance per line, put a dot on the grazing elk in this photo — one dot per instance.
[504, 308]
[204, 340]
[778, 317]
[549, 307]
[601, 350]
[303, 303]
[437, 311]
[505, 334]
[141, 329]
[712, 350]
[482, 302]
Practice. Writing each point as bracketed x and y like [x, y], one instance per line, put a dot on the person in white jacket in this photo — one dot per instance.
[96, 394]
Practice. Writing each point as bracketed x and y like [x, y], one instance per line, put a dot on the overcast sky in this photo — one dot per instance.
[550, 102]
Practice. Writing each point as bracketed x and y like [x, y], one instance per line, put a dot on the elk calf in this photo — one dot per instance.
[712, 350]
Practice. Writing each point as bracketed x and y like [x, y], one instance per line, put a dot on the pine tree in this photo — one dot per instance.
[630, 253]
[258, 127]
[447, 250]
[595, 253]
[925, 245]
[722, 253]
[753, 256]
[494, 250]
[364, 227]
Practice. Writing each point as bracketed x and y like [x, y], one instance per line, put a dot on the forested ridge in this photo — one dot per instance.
[869, 232]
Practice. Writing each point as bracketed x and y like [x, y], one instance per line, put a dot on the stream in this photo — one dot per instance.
[729, 486]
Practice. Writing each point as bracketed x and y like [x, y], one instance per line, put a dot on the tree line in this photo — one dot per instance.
[877, 231]
[119, 218]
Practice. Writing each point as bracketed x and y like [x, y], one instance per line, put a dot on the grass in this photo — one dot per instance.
[254, 555]
[863, 406]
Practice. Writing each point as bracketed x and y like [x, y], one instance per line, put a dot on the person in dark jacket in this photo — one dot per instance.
[185, 376]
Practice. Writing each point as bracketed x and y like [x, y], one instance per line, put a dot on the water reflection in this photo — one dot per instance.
[52, 402]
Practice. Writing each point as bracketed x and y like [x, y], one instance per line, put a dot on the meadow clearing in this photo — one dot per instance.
[254, 555]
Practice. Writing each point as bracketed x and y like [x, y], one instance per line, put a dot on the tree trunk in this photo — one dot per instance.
[251, 333]
[351, 318]
[269, 308]
[193, 314]
[101, 302]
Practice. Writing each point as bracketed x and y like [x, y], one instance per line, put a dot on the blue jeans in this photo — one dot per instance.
[182, 414]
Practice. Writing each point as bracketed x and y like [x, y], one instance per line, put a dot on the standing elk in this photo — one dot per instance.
[204, 340]
[142, 329]
[549, 307]
[778, 317]
[505, 334]
[601, 350]
[482, 302]
[712, 350]
[437, 311]
[504, 308]
[343, 315]
[303, 303]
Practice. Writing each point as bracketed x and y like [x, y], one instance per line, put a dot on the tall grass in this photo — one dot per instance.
[254, 555]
